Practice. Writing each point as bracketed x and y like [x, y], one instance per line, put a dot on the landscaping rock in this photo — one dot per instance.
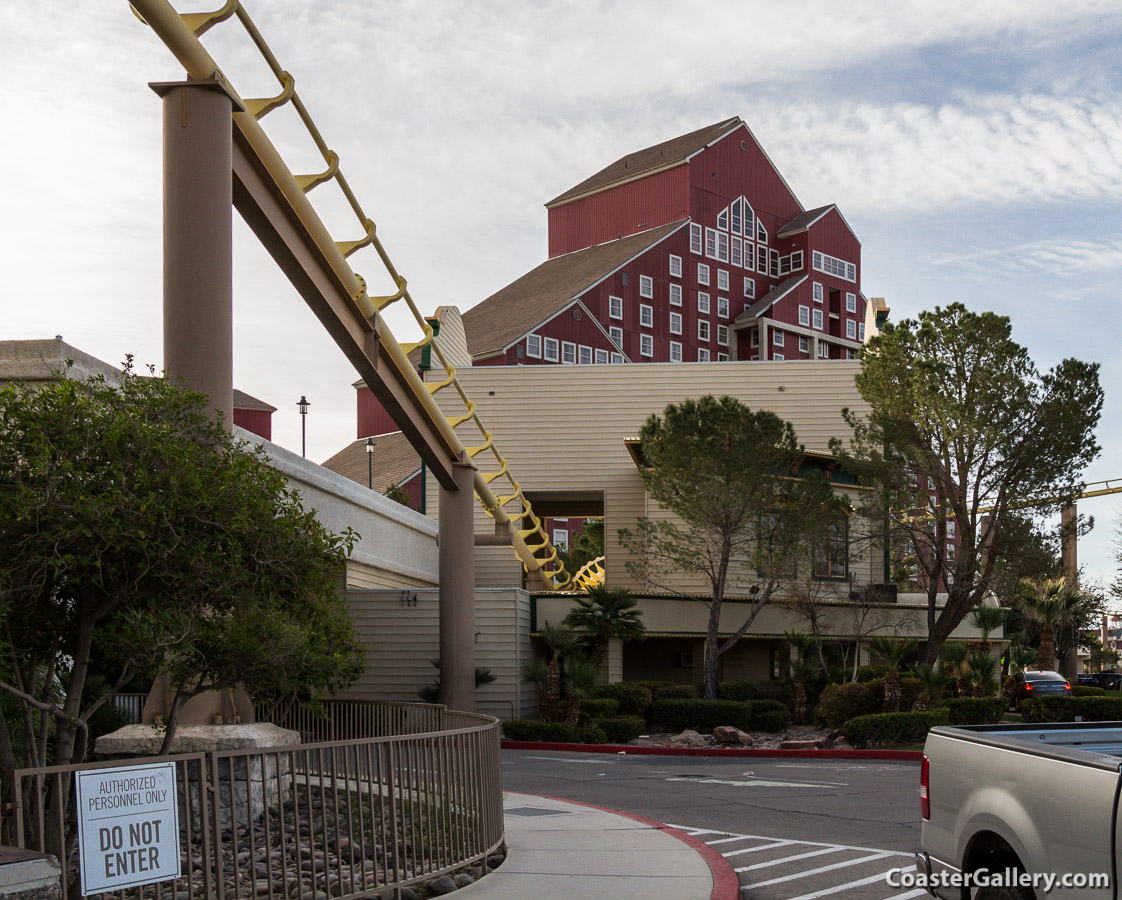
[818, 744]
[726, 735]
[442, 885]
[689, 738]
[463, 879]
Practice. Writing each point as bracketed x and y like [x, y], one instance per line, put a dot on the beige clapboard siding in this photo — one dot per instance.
[562, 428]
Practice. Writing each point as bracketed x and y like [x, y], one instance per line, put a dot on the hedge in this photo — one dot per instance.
[675, 692]
[974, 710]
[705, 715]
[769, 715]
[592, 733]
[1085, 690]
[871, 673]
[738, 690]
[1065, 709]
[535, 730]
[838, 703]
[622, 729]
[602, 708]
[893, 728]
[633, 698]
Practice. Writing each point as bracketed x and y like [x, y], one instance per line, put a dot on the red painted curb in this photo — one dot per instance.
[734, 752]
[726, 885]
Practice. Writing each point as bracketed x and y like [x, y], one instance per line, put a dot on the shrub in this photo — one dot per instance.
[702, 715]
[738, 690]
[871, 673]
[592, 733]
[768, 715]
[892, 728]
[633, 698]
[776, 690]
[535, 730]
[974, 710]
[622, 729]
[838, 703]
[602, 708]
[1065, 709]
[675, 692]
[1085, 690]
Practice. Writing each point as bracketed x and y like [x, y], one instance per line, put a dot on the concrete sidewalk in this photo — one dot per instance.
[559, 849]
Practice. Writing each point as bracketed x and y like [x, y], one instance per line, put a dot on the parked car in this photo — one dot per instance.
[1108, 681]
[1086, 680]
[1030, 683]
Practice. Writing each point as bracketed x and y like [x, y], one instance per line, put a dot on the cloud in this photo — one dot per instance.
[1050, 257]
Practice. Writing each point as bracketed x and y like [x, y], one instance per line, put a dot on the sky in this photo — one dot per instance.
[975, 149]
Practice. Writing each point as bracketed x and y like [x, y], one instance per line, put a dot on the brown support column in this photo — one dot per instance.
[457, 591]
[1069, 665]
[198, 238]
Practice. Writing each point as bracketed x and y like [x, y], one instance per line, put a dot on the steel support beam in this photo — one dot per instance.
[198, 239]
[457, 592]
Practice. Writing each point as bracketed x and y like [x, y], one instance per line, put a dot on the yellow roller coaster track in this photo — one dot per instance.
[1094, 489]
[180, 33]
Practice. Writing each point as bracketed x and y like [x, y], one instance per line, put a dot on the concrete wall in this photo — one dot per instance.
[400, 628]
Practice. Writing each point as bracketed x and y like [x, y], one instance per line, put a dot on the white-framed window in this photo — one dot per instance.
[675, 266]
[851, 303]
[754, 337]
[723, 307]
[722, 280]
[675, 351]
[534, 345]
[584, 355]
[736, 252]
[749, 255]
[749, 219]
[737, 215]
[761, 232]
[723, 219]
[778, 356]
[784, 265]
[646, 345]
[777, 338]
[722, 357]
[675, 295]
[723, 247]
[695, 238]
[703, 274]
[951, 526]
[601, 357]
[723, 335]
[761, 260]
[561, 538]
[552, 349]
[646, 286]
[804, 344]
[851, 353]
[703, 329]
[702, 354]
[702, 302]
[817, 319]
[750, 288]
[823, 350]
[675, 323]
[774, 268]
[818, 292]
[646, 315]
[797, 261]
[711, 242]
[831, 265]
[860, 331]
[617, 358]
[617, 336]
[568, 353]
[930, 483]
[851, 329]
[804, 316]
[615, 307]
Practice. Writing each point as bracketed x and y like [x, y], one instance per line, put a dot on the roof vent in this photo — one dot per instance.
[743, 145]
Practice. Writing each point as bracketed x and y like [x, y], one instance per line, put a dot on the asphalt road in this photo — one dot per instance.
[792, 828]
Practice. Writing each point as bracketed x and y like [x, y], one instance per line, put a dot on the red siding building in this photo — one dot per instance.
[695, 249]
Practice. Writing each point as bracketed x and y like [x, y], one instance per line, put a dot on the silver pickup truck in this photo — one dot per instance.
[1016, 812]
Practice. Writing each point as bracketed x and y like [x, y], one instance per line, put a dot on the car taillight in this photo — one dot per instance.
[1028, 687]
[924, 789]
[1067, 687]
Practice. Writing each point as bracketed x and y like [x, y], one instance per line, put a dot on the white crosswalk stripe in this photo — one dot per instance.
[776, 868]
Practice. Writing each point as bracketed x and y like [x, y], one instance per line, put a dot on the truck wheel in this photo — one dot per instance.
[1005, 893]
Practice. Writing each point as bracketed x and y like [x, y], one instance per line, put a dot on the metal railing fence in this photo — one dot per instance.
[341, 818]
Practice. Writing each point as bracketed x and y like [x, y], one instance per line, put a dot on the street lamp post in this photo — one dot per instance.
[370, 463]
[303, 405]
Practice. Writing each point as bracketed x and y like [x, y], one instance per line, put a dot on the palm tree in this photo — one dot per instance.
[893, 652]
[1050, 602]
[932, 678]
[987, 619]
[953, 658]
[1019, 658]
[558, 641]
[802, 671]
[582, 675]
[603, 614]
[982, 669]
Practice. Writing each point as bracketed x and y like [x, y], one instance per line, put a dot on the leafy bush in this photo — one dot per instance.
[777, 690]
[601, 708]
[768, 715]
[974, 710]
[838, 703]
[633, 697]
[738, 690]
[1085, 690]
[1065, 709]
[871, 673]
[592, 733]
[535, 730]
[702, 715]
[892, 728]
[622, 729]
[675, 692]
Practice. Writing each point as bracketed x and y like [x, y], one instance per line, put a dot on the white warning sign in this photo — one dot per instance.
[128, 826]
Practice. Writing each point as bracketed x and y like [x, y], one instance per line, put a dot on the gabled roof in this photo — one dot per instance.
[522, 305]
[773, 296]
[803, 221]
[394, 460]
[242, 400]
[651, 159]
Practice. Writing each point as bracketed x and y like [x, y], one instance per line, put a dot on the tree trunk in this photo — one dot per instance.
[552, 690]
[711, 635]
[572, 711]
[1047, 661]
[892, 692]
[923, 702]
[177, 702]
[800, 702]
